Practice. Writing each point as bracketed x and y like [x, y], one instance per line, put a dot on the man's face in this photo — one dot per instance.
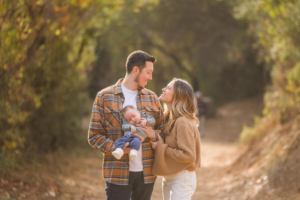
[132, 116]
[144, 76]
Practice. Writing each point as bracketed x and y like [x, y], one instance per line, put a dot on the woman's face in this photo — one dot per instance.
[167, 94]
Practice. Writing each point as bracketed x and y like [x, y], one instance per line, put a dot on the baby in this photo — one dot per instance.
[133, 117]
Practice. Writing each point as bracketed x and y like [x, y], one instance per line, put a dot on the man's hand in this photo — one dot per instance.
[153, 144]
[125, 149]
[149, 131]
[139, 136]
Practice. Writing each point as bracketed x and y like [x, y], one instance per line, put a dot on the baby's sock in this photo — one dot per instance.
[118, 153]
[133, 154]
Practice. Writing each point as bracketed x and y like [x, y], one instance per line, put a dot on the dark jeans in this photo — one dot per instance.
[135, 190]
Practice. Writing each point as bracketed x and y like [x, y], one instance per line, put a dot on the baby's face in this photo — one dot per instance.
[132, 116]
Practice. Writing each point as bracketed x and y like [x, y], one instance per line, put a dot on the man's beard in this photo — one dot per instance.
[137, 80]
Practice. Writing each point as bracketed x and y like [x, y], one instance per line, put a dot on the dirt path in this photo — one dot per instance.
[215, 159]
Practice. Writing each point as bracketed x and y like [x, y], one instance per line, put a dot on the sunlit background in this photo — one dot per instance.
[55, 55]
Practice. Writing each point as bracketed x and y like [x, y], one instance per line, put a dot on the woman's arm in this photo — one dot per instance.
[186, 151]
[169, 160]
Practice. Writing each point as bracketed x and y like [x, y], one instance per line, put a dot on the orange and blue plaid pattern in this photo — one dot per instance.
[105, 128]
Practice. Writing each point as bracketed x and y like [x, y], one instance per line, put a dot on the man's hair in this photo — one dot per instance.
[138, 58]
[127, 108]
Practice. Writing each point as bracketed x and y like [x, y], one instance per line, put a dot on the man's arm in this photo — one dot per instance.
[97, 134]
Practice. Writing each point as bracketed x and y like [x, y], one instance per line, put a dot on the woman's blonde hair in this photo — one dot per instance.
[184, 104]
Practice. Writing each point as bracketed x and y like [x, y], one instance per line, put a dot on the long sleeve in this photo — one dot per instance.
[186, 151]
[141, 132]
[150, 120]
[126, 126]
[170, 160]
[97, 134]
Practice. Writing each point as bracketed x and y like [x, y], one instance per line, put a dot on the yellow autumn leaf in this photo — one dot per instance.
[57, 32]
[290, 88]
[10, 120]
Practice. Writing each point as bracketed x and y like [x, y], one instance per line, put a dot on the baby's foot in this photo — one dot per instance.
[118, 153]
[133, 154]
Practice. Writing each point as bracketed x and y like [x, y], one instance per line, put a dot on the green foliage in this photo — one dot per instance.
[293, 86]
[248, 135]
[44, 49]
[52, 53]
[200, 41]
[262, 126]
[276, 27]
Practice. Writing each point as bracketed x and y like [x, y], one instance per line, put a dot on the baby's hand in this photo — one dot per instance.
[133, 129]
[143, 122]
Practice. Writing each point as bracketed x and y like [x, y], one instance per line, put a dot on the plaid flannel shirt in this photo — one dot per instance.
[105, 128]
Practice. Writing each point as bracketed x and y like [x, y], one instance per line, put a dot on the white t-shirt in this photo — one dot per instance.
[130, 99]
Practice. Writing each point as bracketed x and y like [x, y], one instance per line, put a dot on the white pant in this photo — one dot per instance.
[180, 186]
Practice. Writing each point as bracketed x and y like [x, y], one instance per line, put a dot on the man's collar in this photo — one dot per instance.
[118, 88]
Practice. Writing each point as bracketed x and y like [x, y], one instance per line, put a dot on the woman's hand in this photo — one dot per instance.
[149, 131]
[153, 144]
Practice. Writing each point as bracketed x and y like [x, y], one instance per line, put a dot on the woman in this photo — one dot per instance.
[178, 156]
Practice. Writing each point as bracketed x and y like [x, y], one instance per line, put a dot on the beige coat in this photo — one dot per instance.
[181, 150]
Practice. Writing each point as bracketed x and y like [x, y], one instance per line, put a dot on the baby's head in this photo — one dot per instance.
[132, 115]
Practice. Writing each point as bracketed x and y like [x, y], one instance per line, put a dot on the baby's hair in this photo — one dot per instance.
[127, 108]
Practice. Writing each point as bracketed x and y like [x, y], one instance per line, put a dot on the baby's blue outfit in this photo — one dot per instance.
[134, 142]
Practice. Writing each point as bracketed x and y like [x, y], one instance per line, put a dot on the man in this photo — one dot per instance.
[126, 178]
